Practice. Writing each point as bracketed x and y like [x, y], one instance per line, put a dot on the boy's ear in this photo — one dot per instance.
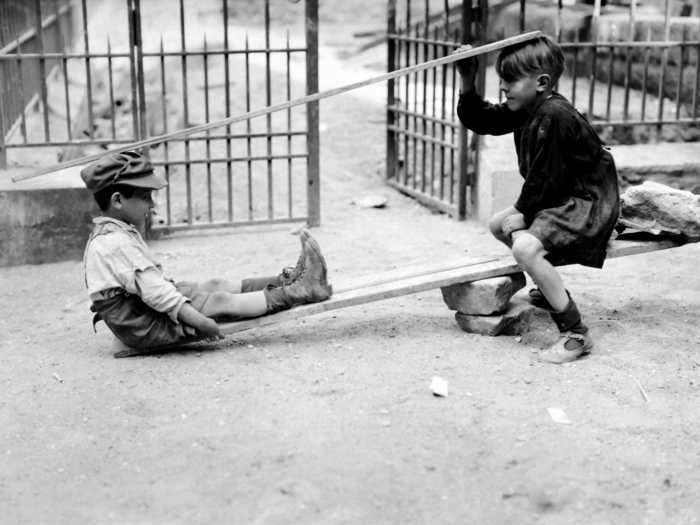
[544, 82]
[116, 199]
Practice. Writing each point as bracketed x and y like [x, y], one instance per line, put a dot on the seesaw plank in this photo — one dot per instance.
[405, 282]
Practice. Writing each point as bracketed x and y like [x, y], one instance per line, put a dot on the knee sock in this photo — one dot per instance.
[277, 299]
[255, 284]
[569, 319]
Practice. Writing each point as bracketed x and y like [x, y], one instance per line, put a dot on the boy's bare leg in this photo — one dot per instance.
[496, 223]
[530, 254]
[234, 305]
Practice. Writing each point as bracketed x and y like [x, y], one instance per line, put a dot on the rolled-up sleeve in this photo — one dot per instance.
[158, 292]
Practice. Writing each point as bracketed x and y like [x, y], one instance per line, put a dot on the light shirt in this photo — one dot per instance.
[116, 256]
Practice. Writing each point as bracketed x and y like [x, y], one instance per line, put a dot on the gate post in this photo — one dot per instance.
[313, 189]
[463, 145]
[391, 65]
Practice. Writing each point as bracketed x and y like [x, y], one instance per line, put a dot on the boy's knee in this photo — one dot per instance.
[218, 300]
[495, 226]
[526, 248]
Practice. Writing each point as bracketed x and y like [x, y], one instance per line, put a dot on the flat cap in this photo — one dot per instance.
[129, 167]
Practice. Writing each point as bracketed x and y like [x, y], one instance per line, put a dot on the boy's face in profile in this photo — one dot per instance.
[135, 209]
[521, 93]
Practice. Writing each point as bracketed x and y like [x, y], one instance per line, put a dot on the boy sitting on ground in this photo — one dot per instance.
[132, 295]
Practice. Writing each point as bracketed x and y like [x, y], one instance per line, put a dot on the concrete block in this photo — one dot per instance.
[534, 325]
[485, 297]
[45, 219]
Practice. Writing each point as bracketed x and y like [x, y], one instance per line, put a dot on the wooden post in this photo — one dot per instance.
[313, 179]
[390, 99]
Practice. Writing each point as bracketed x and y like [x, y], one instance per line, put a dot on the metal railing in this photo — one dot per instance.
[130, 82]
[638, 85]
[428, 154]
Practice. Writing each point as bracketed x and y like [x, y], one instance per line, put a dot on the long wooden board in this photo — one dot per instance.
[454, 57]
[403, 282]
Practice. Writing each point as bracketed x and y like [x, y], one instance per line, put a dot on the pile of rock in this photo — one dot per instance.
[487, 307]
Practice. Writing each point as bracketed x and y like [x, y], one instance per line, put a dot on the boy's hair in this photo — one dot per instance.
[541, 55]
[104, 196]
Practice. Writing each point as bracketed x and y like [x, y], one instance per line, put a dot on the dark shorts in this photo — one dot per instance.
[138, 325]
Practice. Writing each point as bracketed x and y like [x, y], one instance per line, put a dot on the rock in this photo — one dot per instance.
[534, 325]
[658, 209]
[485, 297]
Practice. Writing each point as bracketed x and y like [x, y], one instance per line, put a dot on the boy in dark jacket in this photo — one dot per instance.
[569, 202]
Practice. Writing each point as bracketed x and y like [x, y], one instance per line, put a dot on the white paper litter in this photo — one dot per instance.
[439, 386]
[558, 415]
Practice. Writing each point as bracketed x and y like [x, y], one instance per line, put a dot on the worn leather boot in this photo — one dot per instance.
[310, 287]
[292, 273]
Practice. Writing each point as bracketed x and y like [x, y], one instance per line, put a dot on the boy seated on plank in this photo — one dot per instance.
[129, 290]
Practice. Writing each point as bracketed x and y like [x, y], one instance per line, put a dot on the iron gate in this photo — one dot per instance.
[430, 156]
[144, 68]
[636, 79]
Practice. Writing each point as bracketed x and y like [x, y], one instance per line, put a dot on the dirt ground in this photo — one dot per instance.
[331, 419]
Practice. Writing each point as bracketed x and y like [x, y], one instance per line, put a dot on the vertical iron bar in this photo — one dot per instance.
[594, 59]
[63, 65]
[679, 92]
[522, 15]
[88, 73]
[185, 114]
[20, 86]
[132, 69]
[143, 127]
[166, 144]
[3, 149]
[560, 7]
[406, 102]
[434, 115]
[248, 128]
[227, 99]
[459, 130]
[611, 57]
[697, 82]
[312, 115]
[424, 144]
[288, 79]
[414, 174]
[463, 153]
[574, 80]
[42, 71]
[110, 79]
[645, 76]
[205, 65]
[390, 167]
[664, 63]
[443, 101]
[268, 117]
[628, 60]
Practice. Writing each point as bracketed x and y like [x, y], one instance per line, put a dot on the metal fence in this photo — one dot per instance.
[636, 80]
[138, 70]
[28, 27]
[427, 153]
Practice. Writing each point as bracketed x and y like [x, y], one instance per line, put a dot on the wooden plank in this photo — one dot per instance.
[406, 281]
[423, 66]
[401, 285]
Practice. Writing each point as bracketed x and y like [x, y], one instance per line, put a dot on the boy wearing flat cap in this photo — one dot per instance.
[132, 295]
